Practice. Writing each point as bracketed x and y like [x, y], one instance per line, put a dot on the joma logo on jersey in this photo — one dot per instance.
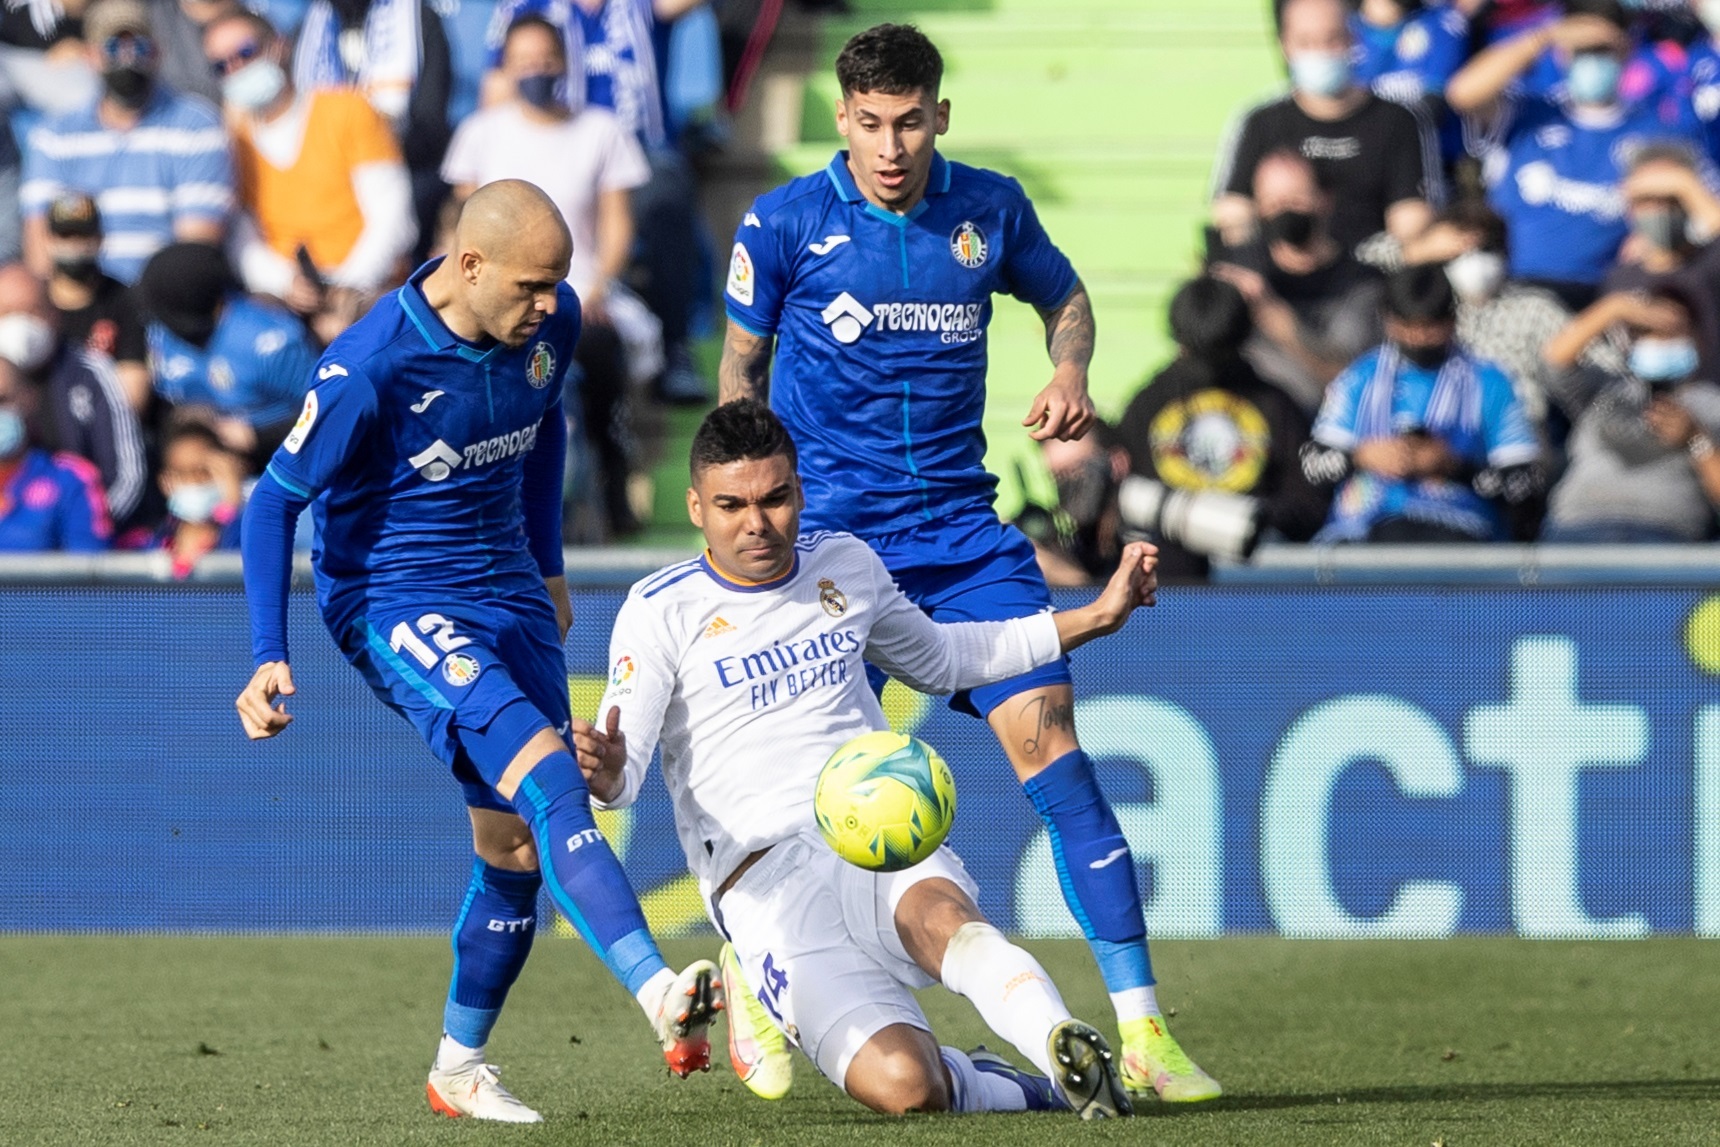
[848, 318]
[438, 460]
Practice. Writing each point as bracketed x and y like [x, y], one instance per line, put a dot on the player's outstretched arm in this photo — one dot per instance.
[258, 710]
[1135, 584]
[1064, 409]
[745, 369]
[602, 755]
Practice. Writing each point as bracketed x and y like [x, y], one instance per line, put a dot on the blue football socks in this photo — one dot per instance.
[492, 938]
[1095, 868]
[584, 878]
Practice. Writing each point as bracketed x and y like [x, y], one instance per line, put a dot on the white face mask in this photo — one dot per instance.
[26, 341]
[194, 503]
[1476, 275]
[254, 86]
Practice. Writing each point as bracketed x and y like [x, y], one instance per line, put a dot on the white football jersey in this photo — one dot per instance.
[748, 688]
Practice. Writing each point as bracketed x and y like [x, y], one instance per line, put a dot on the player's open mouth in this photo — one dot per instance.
[892, 178]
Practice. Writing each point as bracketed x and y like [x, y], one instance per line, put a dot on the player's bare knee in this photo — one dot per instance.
[928, 916]
[544, 743]
[901, 1082]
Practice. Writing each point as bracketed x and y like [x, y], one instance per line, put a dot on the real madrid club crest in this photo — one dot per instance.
[540, 367]
[834, 601]
[968, 245]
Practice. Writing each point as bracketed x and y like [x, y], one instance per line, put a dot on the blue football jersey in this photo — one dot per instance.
[254, 367]
[880, 321]
[412, 442]
[1469, 404]
[1555, 181]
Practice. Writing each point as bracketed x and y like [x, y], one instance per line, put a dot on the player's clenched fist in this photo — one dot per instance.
[1136, 582]
[258, 710]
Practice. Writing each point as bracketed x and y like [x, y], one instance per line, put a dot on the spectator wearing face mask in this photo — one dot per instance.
[1641, 460]
[1423, 442]
[1207, 422]
[1674, 218]
[1373, 156]
[1074, 543]
[48, 501]
[1406, 51]
[84, 411]
[326, 220]
[211, 345]
[204, 485]
[1555, 176]
[589, 165]
[1315, 308]
[95, 310]
[155, 161]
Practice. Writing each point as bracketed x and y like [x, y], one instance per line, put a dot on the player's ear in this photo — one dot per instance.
[470, 263]
[842, 116]
[942, 118]
[695, 512]
[799, 495]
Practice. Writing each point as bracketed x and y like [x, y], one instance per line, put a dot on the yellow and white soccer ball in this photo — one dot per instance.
[885, 801]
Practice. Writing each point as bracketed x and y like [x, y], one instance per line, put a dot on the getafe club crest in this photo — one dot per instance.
[460, 668]
[834, 601]
[540, 367]
[968, 245]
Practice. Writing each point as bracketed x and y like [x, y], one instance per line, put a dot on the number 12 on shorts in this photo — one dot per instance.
[432, 625]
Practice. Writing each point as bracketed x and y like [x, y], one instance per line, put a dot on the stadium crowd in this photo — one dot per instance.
[1461, 283]
[196, 196]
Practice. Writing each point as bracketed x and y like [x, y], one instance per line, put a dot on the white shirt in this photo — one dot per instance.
[749, 688]
[573, 160]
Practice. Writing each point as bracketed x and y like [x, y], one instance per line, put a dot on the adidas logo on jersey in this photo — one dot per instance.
[719, 627]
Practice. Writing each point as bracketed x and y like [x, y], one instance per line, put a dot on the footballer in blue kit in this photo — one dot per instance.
[431, 447]
[870, 284]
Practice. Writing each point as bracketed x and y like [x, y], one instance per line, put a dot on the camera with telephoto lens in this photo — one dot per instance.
[1215, 523]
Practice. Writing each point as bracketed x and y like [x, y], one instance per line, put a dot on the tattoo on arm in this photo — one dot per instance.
[745, 369]
[1045, 716]
[1069, 330]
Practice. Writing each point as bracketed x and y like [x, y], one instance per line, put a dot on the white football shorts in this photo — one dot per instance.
[817, 938]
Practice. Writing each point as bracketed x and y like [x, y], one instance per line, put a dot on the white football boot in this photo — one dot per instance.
[476, 1091]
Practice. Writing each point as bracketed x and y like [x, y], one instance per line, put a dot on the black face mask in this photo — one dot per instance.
[1426, 357]
[129, 86]
[1293, 227]
[78, 268]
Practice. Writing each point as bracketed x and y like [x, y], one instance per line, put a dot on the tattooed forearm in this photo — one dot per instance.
[745, 369]
[1046, 715]
[1069, 331]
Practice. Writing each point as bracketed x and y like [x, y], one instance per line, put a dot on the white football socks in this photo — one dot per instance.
[1135, 1004]
[974, 1090]
[1014, 995]
[452, 1055]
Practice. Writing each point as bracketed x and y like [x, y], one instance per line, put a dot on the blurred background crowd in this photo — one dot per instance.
[1461, 281]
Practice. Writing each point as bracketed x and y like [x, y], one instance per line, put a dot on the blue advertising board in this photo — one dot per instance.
[1387, 761]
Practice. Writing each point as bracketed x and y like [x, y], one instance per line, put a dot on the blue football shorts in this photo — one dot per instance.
[451, 666]
[974, 568]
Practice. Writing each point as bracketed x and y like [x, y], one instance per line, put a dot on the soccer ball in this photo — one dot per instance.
[885, 801]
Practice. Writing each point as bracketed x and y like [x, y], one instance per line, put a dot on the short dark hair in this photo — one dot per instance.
[740, 431]
[1420, 294]
[895, 59]
[1210, 318]
[1611, 11]
[538, 22]
[1472, 213]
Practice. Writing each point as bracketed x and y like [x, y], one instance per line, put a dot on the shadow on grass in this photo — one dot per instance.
[1663, 1090]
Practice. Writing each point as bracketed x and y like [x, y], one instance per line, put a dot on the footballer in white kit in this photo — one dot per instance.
[746, 666]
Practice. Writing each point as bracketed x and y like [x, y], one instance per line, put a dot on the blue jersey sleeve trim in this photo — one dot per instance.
[287, 483]
[747, 326]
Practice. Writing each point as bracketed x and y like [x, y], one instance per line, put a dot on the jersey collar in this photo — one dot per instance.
[741, 586]
[430, 324]
[937, 183]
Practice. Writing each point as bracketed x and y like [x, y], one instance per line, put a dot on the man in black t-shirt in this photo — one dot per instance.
[95, 311]
[1377, 159]
[1314, 307]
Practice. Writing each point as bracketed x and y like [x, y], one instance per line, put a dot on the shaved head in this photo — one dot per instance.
[511, 251]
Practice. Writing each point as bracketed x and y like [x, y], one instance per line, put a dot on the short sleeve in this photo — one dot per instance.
[1404, 164]
[1034, 270]
[1511, 441]
[333, 424]
[624, 166]
[1336, 424]
[1241, 153]
[758, 275]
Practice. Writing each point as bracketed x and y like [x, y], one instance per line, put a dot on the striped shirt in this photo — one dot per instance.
[173, 166]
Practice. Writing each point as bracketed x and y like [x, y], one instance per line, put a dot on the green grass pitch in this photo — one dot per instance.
[314, 1040]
